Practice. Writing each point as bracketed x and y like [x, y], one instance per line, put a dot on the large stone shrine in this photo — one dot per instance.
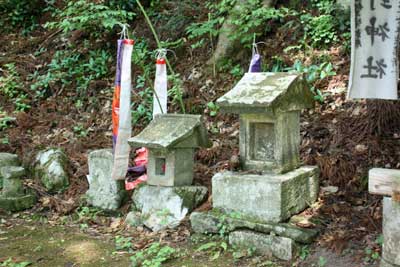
[272, 186]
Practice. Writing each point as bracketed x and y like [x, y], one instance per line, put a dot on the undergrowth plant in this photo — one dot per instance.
[153, 256]
[12, 87]
[71, 68]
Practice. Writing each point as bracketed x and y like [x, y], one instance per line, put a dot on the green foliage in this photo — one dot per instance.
[15, 14]
[153, 256]
[87, 16]
[10, 263]
[73, 69]
[12, 87]
[322, 262]
[215, 249]
[304, 252]
[213, 108]
[254, 18]
[87, 213]
[123, 243]
[314, 74]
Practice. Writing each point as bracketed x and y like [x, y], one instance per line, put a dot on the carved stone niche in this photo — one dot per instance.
[269, 105]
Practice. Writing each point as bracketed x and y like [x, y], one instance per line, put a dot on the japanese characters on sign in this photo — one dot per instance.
[375, 40]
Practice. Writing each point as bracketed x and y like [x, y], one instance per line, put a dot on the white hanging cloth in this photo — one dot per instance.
[160, 97]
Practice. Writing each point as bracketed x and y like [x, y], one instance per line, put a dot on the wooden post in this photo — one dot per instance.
[385, 182]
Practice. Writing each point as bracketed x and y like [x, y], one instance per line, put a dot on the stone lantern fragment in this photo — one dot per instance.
[171, 140]
[13, 196]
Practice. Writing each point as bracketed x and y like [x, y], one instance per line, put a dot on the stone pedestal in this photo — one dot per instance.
[104, 192]
[164, 207]
[268, 197]
[391, 233]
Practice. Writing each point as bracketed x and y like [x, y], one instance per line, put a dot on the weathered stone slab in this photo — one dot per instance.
[281, 247]
[166, 207]
[391, 231]
[104, 192]
[268, 197]
[50, 168]
[210, 222]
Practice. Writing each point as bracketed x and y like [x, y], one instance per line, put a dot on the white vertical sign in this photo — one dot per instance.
[375, 35]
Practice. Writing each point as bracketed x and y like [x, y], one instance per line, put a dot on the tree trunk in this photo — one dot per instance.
[226, 46]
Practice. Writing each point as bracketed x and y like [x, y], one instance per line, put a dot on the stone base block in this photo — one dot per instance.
[267, 197]
[391, 231]
[387, 264]
[17, 203]
[166, 207]
[281, 247]
[211, 222]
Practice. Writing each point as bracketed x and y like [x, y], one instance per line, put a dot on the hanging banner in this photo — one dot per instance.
[255, 63]
[160, 97]
[375, 31]
[121, 109]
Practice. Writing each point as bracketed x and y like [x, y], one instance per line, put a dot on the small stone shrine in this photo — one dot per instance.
[272, 187]
[386, 182]
[171, 140]
[169, 194]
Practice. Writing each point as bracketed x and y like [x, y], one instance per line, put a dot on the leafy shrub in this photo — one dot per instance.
[20, 14]
[88, 17]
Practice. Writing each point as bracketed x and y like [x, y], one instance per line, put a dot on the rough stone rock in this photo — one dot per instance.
[209, 222]
[281, 247]
[104, 192]
[133, 219]
[17, 203]
[7, 159]
[50, 168]
[267, 197]
[391, 231]
[166, 207]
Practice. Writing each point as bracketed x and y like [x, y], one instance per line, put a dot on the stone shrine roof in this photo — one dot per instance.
[267, 92]
[173, 130]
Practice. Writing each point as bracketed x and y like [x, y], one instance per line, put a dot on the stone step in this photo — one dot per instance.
[281, 247]
[211, 222]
